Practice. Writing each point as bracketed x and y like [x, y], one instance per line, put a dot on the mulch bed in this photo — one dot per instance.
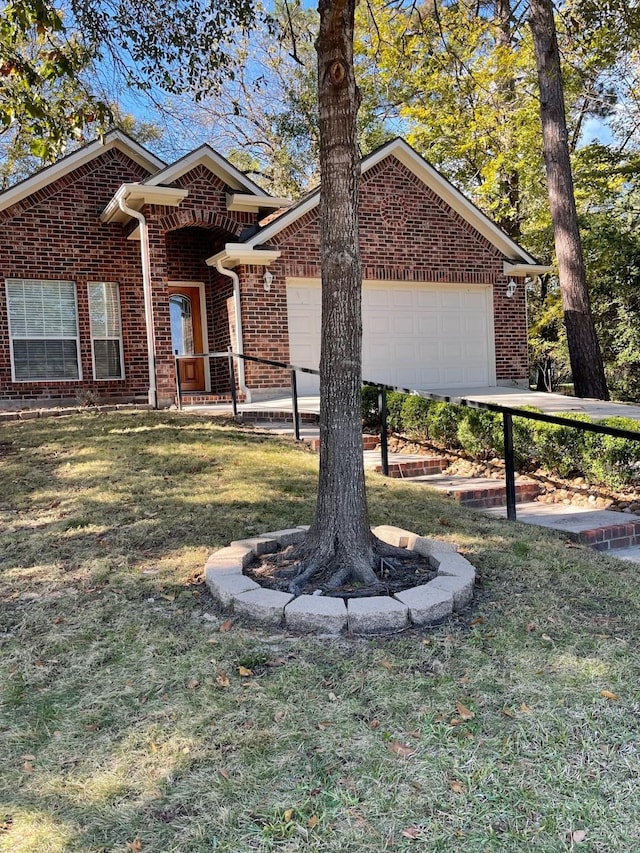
[275, 571]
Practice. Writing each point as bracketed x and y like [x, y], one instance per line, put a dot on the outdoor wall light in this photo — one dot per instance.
[511, 288]
[267, 278]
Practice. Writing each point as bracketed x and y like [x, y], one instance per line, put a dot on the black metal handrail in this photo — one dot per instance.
[507, 412]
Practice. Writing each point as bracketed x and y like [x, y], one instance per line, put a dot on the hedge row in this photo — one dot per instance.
[562, 450]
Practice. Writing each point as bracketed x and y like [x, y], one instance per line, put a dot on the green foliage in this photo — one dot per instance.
[610, 460]
[415, 412]
[370, 409]
[480, 433]
[442, 423]
[561, 449]
[395, 403]
[524, 439]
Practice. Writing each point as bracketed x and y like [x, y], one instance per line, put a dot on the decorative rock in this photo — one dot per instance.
[238, 553]
[432, 547]
[460, 588]
[264, 605]
[377, 613]
[454, 564]
[225, 587]
[316, 613]
[426, 603]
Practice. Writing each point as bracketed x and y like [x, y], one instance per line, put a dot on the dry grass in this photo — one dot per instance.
[125, 721]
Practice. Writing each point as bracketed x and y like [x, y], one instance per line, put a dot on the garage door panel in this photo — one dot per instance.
[414, 336]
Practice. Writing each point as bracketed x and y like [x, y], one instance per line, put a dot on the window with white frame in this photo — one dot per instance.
[43, 326]
[106, 329]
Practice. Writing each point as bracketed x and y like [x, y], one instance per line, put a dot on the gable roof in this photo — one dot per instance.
[113, 139]
[210, 159]
[519, 262]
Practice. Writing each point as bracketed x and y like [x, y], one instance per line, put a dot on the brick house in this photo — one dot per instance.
[111, 261]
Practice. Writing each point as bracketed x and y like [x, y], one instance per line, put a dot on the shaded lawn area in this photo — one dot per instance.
[134, 716]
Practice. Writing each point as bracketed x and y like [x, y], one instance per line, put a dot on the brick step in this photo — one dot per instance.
[423, 467]
[370, 442]
[609, 538]
[279, 417]
[480, 493]
[204, 399]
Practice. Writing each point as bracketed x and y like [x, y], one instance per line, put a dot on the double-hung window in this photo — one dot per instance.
[43, 325]
[106, 329]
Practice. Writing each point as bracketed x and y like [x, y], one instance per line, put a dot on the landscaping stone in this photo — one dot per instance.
[376, 613]
[263, 605]
[225, 587]
[460, 588]
[233, 554]
[395, 536]
[449, 563]
[285, 537]
[430, 547]
[426, 603]
[259, 544]
[316, 613]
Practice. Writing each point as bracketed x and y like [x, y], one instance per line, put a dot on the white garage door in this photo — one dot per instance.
[420, 336]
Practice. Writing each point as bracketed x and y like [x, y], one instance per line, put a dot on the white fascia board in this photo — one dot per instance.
[136, 196]
[206, 156]
[243, 202]
[286, 219]
[46, 176]
[520, 270]
[235, 254]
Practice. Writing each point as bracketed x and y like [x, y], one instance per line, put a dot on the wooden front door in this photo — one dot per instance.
[186, 335]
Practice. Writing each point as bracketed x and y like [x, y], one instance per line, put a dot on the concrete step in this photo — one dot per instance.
[603, 529]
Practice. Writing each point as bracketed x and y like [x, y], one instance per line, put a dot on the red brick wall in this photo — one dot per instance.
[408, 234]
[56, 234]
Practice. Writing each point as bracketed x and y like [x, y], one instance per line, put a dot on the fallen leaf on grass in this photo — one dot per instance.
[135, 845]
[607, 694]
[464, 712]
[578, 836]
[224, 773]
[547, 638]
[507, 713]
[374, 724]
[525, 708]
[6, 824]
[402, 750]
[411, 832]
[192, 684]
[244, 671]
[456, 786]
[313, 821]
[223, 679]
[279, 715]
[387, 664]
[477, 621]
[226, 626]
[27, 767]
[288, 815]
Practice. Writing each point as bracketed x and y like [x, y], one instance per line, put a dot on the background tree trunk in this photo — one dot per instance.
[584, 350]
[340, 536]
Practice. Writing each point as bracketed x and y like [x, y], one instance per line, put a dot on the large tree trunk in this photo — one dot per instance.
[340, 537]
[584, 351]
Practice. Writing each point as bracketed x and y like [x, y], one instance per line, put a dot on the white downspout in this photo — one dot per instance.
[148, 302]
[239, 340]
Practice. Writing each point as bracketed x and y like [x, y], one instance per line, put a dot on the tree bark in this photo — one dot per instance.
[584, 350]
[340, 536]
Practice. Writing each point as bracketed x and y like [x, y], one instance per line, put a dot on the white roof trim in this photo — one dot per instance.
[248, 203]
[46, 176]
[235, 254]
[206, 156]
[526, 269]
[430, 177]
[137, 195]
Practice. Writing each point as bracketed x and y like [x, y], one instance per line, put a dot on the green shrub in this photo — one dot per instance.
[524, 451]
[481, 434]
[615, 462]
[370, 412]
[561, 449]
[395, 403]
[442, 423]
[415, 411]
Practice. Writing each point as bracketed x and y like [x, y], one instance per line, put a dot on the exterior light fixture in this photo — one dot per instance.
[511, 288]
[267, 278]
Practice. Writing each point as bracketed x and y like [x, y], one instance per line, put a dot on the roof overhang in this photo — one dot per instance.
[112, 139]
[236, 254]
[136, 196]
[243, 202]
[215, 163]
[530, 270]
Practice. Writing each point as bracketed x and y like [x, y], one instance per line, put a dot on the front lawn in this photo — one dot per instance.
[134, 716]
